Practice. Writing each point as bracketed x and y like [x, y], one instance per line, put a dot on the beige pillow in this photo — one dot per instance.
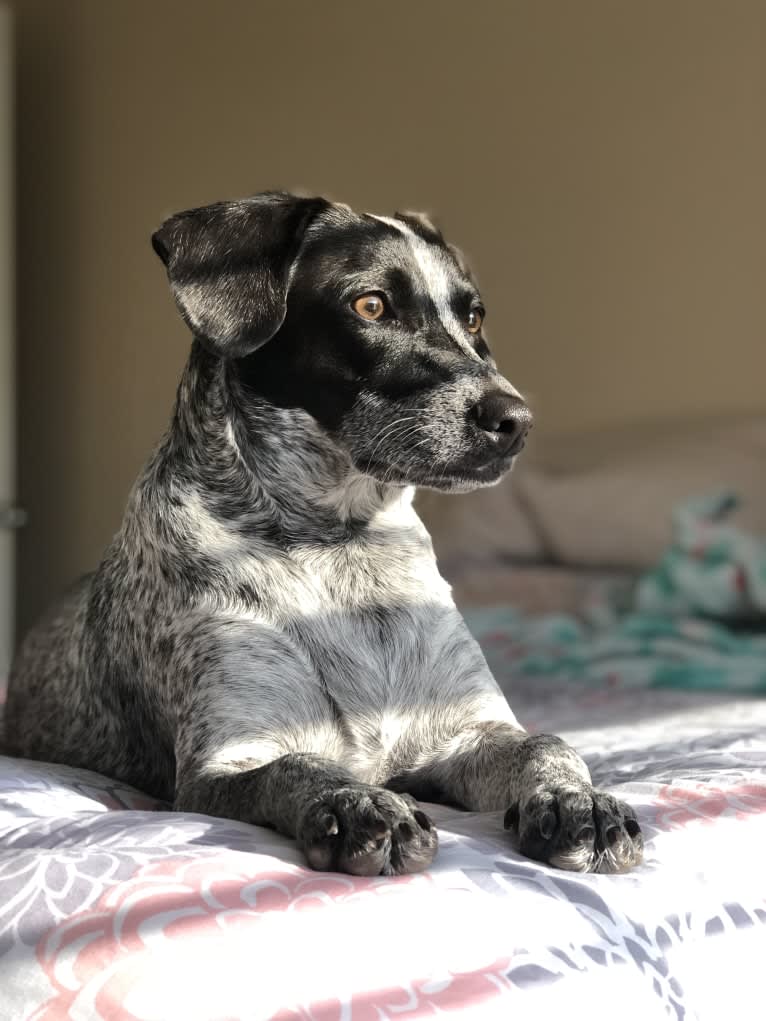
[607, 498]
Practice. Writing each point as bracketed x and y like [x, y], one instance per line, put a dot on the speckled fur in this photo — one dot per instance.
[268, 637]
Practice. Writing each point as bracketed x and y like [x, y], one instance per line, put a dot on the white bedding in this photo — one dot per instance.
[110, 909]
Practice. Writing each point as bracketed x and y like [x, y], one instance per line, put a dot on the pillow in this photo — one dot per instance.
[606, 499]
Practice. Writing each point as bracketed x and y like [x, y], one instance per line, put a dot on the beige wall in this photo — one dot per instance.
[603, 162]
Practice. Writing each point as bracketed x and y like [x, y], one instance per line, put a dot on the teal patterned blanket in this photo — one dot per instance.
[677, 627]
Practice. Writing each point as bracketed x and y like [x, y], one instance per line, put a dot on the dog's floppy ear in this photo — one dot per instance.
[229, 266]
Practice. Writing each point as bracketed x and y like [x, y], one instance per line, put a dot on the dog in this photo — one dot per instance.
[268, 637]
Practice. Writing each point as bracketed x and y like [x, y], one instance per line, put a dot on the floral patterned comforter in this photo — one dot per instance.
[112, 908]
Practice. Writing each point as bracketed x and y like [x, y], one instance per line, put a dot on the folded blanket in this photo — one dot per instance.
[711, 566]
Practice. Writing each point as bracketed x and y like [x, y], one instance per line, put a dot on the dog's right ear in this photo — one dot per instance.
[229, 266]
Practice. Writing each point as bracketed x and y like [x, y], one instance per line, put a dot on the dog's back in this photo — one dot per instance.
[65, 706]
[46, 681]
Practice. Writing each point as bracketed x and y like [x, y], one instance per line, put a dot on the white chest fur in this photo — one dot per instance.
[355, 649]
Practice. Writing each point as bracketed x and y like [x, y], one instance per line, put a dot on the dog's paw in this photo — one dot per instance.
[578, 829]
[367, 831]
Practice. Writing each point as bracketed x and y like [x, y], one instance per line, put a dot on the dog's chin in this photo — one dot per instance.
[465, 481]
[456, 478]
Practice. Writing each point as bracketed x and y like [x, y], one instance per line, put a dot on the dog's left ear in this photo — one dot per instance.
[229, 266]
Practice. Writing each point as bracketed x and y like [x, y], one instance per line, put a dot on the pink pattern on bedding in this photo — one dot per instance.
[169, 919]
[703, 803]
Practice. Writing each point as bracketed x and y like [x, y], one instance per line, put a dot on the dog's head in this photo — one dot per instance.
[370, 324]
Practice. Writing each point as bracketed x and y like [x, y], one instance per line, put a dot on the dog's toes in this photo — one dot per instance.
[415, 843]
[577, 829]
[619, 841]
[367, 831]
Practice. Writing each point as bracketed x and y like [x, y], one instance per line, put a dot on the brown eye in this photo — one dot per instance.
[475, 319]
[369, 306]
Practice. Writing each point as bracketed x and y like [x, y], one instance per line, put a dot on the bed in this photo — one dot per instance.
[114, 908]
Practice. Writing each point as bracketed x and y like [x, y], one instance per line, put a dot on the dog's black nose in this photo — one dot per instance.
[507, 419]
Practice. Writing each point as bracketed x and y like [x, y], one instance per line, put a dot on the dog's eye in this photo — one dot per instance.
[475, 319]
[369, 306]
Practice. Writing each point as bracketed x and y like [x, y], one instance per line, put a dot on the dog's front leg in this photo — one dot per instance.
[340, 823]
[258, 740]
[545, 790]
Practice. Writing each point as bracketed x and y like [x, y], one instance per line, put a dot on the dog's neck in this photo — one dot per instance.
[253, 459]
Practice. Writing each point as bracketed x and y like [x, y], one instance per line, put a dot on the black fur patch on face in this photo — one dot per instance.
[325, 355]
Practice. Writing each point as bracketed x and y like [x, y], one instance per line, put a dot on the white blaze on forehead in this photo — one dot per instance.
[433, 268]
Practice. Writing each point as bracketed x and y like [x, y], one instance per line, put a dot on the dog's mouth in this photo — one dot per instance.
[457, 476]
[463, 478]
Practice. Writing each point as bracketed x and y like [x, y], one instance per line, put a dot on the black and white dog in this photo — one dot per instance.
[268, 637]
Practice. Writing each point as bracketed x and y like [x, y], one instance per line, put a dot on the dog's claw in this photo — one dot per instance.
[331, 825]
[376, 832]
